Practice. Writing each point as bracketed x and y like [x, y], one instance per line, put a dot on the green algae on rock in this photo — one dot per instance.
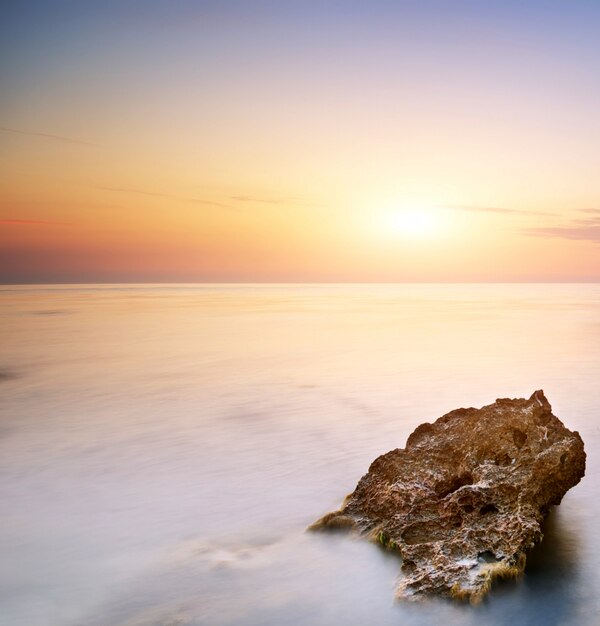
[465, 499]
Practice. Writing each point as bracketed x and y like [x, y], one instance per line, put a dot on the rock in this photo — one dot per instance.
[465, 500]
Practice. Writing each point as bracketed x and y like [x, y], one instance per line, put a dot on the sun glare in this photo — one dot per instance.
[410, 223]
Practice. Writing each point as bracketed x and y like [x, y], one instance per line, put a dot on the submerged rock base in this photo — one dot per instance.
[465, 499]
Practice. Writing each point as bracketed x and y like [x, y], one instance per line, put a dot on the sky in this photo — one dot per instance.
[260, 141]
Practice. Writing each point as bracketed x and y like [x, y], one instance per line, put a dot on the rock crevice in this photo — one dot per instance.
[465, 499]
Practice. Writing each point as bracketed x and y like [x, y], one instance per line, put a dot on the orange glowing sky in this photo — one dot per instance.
[263, 141]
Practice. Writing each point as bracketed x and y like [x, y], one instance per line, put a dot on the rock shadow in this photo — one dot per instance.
[555, 559]
[549, 587]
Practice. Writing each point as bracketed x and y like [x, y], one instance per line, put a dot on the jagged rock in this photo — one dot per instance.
[464, 501]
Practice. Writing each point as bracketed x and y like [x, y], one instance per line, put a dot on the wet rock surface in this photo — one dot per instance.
[465, 499]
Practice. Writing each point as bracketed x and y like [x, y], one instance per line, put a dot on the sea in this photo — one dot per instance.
[163, 448]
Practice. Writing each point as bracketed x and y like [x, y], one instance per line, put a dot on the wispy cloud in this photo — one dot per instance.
[61, 138]
[156, 194]
[264, 200]
[235, 199]
[16, 222]
[584, 233]
[592, 211]
[499, 210]
[578, 228]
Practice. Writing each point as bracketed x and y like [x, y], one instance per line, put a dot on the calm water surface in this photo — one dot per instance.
[162, 448]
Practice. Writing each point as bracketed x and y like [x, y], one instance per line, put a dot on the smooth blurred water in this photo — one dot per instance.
[163, 448]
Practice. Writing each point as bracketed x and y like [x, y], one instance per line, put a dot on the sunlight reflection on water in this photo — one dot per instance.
[164, 447]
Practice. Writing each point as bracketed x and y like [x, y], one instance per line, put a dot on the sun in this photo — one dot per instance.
[411, 223]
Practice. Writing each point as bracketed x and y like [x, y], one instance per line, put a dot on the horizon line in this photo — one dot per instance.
[258, 283]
